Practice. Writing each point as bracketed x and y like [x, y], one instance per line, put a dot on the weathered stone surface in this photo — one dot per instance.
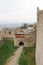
[39, 39]
[28, 40]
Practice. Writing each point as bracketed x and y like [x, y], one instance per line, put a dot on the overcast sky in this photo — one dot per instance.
[19, 11]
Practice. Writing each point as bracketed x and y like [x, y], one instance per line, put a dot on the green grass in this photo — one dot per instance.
[27, 56]
[6, 51]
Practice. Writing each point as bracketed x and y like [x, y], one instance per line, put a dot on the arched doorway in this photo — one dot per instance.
[21, 44]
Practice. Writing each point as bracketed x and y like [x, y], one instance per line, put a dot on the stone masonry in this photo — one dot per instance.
[39, 39]
[28, 40]
[20, 36]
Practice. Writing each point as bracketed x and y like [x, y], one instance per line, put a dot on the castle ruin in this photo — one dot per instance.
[39, 39]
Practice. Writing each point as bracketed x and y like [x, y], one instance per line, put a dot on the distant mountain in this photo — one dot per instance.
[10, 25]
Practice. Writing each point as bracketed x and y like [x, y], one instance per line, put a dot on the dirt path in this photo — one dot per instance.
[15, 58]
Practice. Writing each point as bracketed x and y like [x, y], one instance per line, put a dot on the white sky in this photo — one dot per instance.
[19, 11]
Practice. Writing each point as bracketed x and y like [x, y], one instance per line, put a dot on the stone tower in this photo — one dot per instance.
[39, 40]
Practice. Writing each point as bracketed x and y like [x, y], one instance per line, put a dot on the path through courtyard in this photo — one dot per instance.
[14, 60]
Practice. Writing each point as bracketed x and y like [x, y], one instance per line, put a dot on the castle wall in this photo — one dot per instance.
[17, 41]
[28, 40]
[39, 39]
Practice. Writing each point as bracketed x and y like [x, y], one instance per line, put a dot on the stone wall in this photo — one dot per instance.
[17, 41]
[39, 39]
[28, 40]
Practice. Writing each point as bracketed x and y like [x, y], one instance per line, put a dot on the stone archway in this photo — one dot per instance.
[21, 44]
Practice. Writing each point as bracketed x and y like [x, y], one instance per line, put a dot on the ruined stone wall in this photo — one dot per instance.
[28, 40]
[18, 40]
[39, 39]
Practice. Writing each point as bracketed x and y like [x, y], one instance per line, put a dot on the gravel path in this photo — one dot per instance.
[15, 58]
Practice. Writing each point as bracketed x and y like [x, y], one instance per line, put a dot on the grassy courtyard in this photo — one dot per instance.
[27, 56]
[6, 51]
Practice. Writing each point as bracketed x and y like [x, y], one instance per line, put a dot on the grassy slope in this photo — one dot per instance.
[6, 51]
[28, 56]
